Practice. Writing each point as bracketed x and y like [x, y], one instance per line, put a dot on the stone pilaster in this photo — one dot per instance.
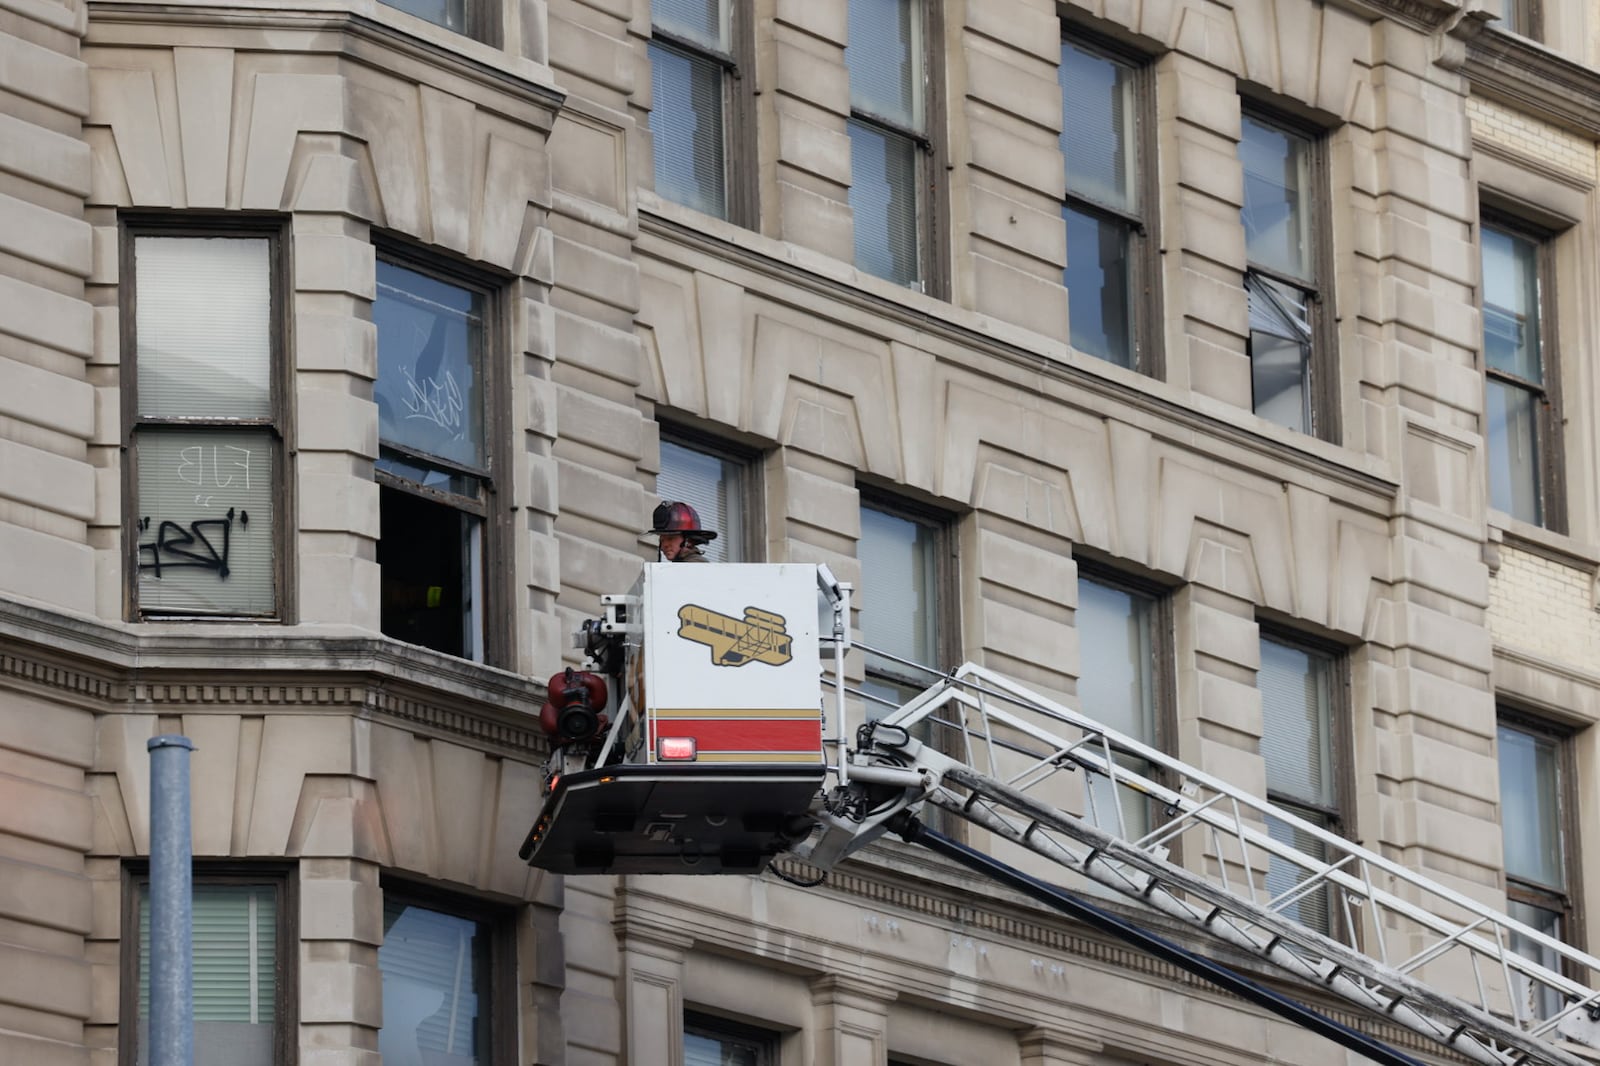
[851, 1021]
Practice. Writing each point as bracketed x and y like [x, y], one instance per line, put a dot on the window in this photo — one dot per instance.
[698, 119]
[901, 602]
[1535, 786]
[203, 416]
[243, 955]
[435, 460]
[719, 487]
[1521, 17]
[448, 989]
[1108, 266]
[1298, 686]
[1282, 223]
[1520, 413]
[712, 1041]
[478, 19]
[1120, 639]
[890, 152]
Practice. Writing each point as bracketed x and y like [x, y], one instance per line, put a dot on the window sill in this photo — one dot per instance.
[1178, 414]
[1557, 547]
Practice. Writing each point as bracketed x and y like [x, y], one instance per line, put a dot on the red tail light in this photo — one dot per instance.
[675, 749]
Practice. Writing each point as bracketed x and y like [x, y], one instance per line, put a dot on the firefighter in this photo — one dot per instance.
[678, 527]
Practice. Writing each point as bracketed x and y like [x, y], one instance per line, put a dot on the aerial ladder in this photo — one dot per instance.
[715, 752]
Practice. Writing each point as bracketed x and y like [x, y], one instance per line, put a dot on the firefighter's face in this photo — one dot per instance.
[672, 546]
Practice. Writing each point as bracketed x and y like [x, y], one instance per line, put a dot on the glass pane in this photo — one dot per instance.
[1530, 808]
[1513, 450]
[235, 943]
[1097, 280]
[884, 55]
[205, 542]
[1280, 352]
[451, 14]
[431, 577]
[686, 128]
[1276, 212]
[1536, 1000]
[430, 365]
[883, 198]
[1097, 135]
[714, 487]
[203, 320]
[1311, 909]
[704, 21]
[1296, 738]
[1516, 16]
[1511, 304]
[702, 1050]
[1115, 685]
[433, 967]
[898, 598]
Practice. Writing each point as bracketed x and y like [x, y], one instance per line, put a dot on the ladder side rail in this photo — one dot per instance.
[1040, 704]
[1486, 1029]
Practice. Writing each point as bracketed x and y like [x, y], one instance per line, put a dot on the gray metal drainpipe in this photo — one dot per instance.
[171, 904]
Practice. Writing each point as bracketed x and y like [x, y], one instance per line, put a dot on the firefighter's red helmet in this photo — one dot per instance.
[673, 517]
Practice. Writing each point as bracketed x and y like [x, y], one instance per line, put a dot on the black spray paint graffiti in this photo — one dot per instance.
[193, 548]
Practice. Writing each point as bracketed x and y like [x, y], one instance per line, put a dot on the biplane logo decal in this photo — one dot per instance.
[760, 636]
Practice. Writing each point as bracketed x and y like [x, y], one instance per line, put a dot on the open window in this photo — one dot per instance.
[437, 459]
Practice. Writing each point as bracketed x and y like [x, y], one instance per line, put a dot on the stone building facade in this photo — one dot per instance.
[1413, 541]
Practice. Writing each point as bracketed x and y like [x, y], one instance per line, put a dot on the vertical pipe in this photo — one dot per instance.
[171, 904]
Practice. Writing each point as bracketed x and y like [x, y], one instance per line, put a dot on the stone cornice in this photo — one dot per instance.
[1165, 417]
[1523, 74]
[198, 669]
[369, 40]
[908, 880]
[1425, 16]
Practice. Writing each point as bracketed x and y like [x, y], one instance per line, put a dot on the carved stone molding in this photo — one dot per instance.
[107, 668]
[1522, 74]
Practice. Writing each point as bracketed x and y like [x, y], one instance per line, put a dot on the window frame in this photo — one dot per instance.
[286, 1002]
[748, 462]
[1144, 269]
[499, 923]
[946, 574]
[766, 1043]
[483, 21]
[275, 230]
[497, 531]
[740, 183]
[1322, 408]
[1550, 477]
[1518, 889]
[931, 156]
[1341, 752]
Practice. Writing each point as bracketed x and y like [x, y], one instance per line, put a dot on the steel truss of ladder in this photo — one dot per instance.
[1383, 937]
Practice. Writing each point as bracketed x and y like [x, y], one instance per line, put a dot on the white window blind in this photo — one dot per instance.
[713, 486]
[883, 201]
[884, 56]
[205, 520]
[1097, 135]
[1296, 732]
[235, 943]
[203, 319]
[703, 21]
[431, 963]
[687, 128]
